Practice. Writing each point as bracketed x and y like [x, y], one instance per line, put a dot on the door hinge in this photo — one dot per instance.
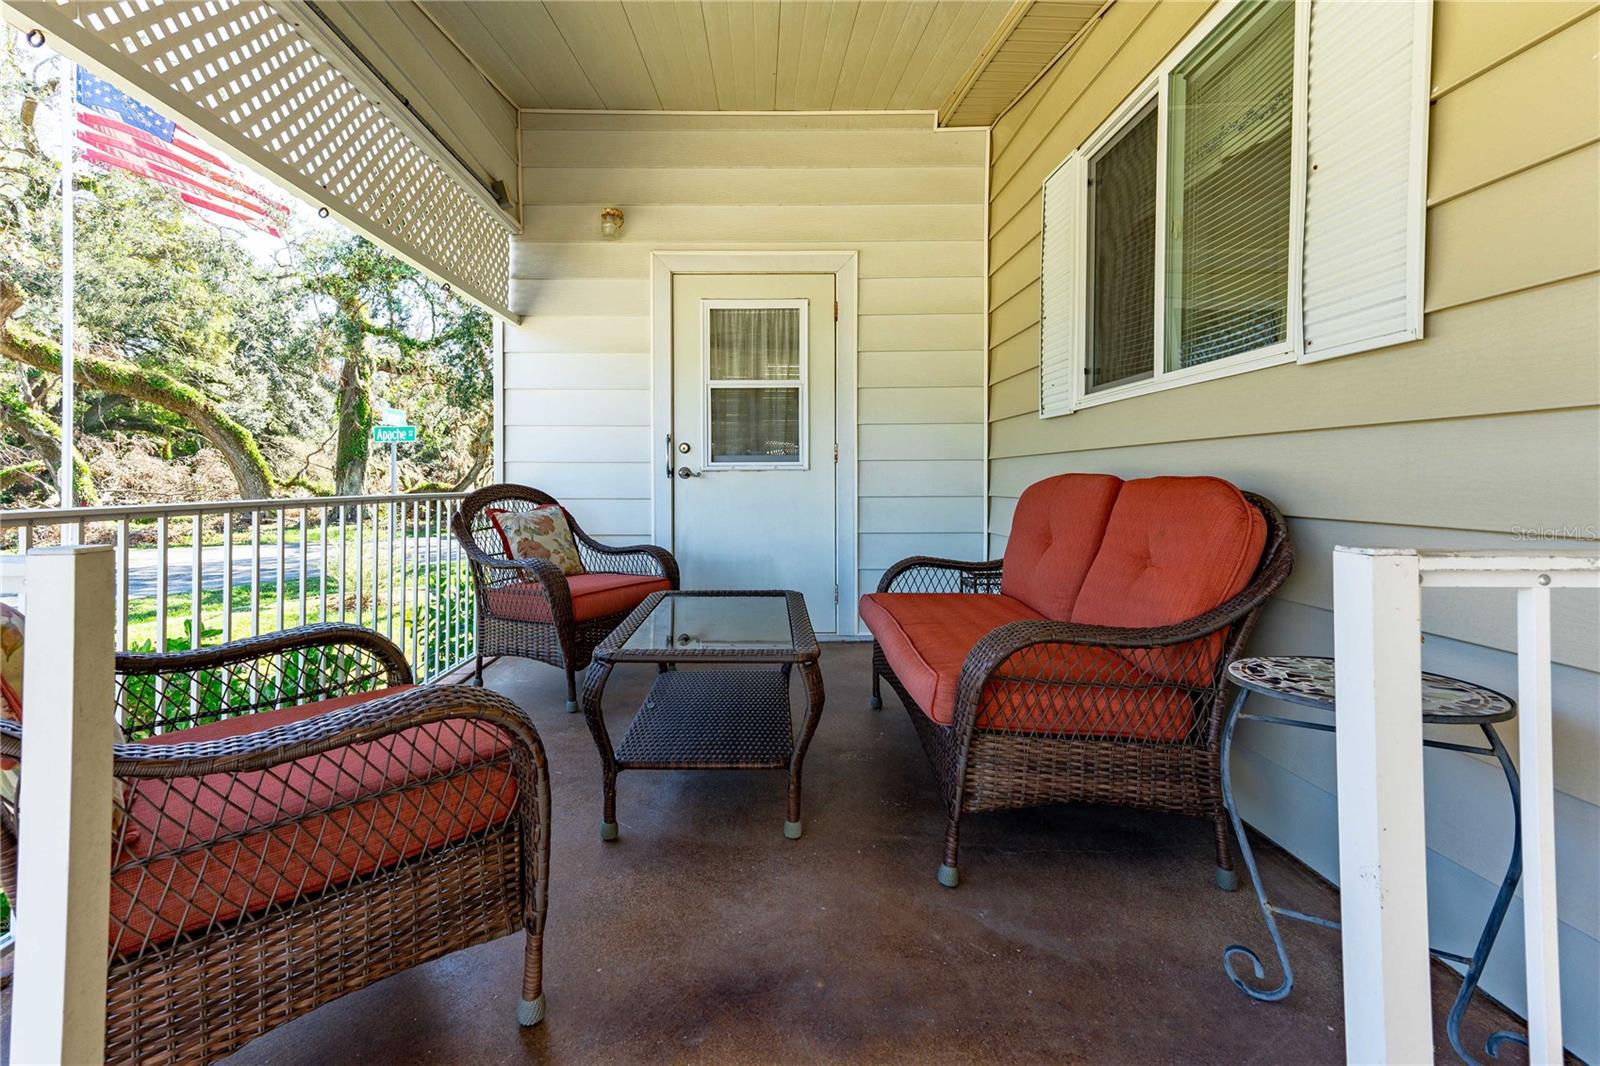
[835, 593]
[836, 451]
[836, 310]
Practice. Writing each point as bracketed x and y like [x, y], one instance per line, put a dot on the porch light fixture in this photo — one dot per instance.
[611, 223]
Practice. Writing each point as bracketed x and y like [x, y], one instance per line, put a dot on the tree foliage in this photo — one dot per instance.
[195, 340]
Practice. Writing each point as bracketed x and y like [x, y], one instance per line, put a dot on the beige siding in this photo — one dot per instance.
[1487, 428]
[908, 198]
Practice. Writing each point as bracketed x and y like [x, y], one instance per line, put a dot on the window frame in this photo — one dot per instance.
[800, 384]
[1156, 86]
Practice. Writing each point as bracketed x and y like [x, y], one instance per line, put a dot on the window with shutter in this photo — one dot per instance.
[1199, 241]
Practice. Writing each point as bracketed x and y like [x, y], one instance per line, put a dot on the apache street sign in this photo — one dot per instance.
[394, 434]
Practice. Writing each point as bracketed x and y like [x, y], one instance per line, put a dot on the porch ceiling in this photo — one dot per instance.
[966, 58]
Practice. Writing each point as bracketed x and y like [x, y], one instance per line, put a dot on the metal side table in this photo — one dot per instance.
[1308, 682]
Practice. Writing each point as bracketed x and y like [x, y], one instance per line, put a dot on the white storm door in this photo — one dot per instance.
[753, 435]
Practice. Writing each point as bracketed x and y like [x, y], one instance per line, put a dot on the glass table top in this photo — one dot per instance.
[686, 624]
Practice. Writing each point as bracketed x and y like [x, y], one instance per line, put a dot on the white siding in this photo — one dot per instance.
[908, 199]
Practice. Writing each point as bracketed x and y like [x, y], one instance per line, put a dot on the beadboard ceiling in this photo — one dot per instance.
[966, 58]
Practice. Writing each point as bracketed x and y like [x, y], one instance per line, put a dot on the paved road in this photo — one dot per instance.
[144, 570]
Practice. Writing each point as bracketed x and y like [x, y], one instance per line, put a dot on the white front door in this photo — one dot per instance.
[753, 435]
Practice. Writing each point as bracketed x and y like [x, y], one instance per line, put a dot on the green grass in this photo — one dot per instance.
[142, 625]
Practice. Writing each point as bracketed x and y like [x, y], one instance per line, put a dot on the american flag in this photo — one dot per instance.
[118, 131]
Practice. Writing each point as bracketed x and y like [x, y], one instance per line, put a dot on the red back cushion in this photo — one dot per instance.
[1054, 537]
[1174, 548]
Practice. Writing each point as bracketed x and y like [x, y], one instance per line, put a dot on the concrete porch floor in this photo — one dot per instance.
[1078, 934]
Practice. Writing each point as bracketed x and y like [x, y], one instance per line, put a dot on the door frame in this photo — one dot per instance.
[844, 266]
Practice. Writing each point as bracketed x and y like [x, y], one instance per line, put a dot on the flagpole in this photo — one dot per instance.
[66, 476]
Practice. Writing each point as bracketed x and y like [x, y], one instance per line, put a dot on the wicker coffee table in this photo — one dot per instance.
[729, 710]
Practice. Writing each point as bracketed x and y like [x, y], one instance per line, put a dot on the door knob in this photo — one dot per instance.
[685, 472]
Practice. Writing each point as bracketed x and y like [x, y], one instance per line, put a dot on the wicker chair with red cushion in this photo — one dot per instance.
[528, 607]
[302, 822]
[1090, 664]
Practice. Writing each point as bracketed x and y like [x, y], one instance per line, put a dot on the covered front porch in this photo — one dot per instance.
[1343, 295]
[1082, 933]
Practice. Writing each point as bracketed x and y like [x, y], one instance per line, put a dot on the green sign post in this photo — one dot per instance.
[394, 434]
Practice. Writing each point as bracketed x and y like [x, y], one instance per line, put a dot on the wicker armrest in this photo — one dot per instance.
[642, 559]
[362, 723]
[319, 635]
[926, 573]
[161, 691]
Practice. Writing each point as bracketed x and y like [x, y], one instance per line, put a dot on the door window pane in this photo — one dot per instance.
[1122, 265]
[755, 343]
[760, 425]
[1230, 114]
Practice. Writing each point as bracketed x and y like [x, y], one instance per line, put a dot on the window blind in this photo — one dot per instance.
[1230, 127]
[1122, 198]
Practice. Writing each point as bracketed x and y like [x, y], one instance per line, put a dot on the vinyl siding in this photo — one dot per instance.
[907, 197]
[1488, 427]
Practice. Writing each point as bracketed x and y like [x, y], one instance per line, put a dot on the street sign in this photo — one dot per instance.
[394, 434]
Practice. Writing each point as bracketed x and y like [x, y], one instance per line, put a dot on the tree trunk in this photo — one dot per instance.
[44, 436]
[355, 417]
[236, 443]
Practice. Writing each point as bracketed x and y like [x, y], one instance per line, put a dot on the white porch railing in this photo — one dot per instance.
[193, 574]
[1377, 603]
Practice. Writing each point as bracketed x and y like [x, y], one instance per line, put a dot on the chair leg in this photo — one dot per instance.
[477, 672]
[1226, 877]
[572, 692]
[876, 703]
[948, 877]
[530, 1007]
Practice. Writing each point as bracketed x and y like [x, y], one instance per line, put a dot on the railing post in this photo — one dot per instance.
[64, 855]
[1383, 886]
[1538, 824]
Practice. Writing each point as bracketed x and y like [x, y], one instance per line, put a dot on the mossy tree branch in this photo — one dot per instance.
[43, 435]
[29, 470]
[234, 441]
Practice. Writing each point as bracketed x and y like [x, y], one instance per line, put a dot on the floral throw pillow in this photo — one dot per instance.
[542, 533]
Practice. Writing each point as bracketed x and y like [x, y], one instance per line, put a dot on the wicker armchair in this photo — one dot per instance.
[291, 834]
[1051, 711]
[528, 608]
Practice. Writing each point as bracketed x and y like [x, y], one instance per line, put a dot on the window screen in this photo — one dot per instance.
[1122, 263]
[1229, 122]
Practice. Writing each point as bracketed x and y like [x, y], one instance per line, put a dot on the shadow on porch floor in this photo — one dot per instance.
[703, 935]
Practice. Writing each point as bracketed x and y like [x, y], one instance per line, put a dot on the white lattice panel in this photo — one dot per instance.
[240, 71]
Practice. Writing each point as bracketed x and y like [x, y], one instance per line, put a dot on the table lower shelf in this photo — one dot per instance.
[712, 720]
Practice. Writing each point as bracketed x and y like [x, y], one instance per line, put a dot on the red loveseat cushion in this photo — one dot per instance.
[1174, 548]
[593, 596]
[926, 639]
[1055, 534]
[450, 780]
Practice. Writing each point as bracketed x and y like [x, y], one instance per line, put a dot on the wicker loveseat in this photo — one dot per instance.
[529, 608]
[298, 821]
[1089, 665]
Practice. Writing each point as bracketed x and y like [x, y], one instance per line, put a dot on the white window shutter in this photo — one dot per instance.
[1366, 171]
[1061, 289]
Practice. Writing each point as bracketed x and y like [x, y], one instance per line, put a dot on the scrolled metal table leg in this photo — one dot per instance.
[1497, 916]
[1234, 951]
